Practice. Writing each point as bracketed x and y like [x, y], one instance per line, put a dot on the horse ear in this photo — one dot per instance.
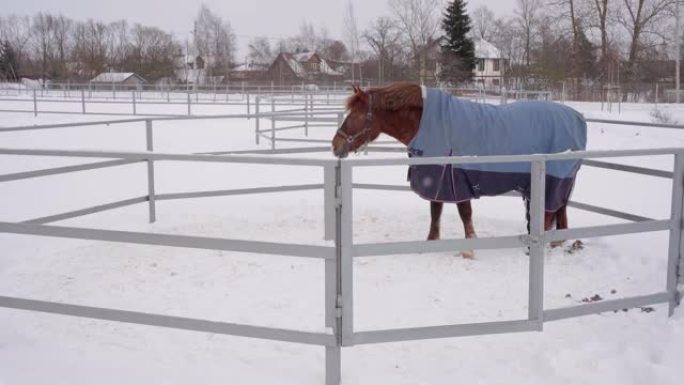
[356, 88]
[363, 96]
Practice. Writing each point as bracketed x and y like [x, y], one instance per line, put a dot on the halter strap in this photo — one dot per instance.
[366, 127]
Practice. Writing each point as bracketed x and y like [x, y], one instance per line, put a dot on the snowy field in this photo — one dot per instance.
[635, 347]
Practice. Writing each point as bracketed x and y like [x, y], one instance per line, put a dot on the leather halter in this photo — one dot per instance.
[366, 128]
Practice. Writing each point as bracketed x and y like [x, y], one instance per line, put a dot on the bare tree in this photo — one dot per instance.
[16, 30]
[644, 22]
[307, 36]
[527, 15]
[334, 50]
[260, 51]
[42, 27]
[419, 22]
[120, 43]
[483, 20]
[601, 22]
[152, 53]
[91, 42]
[214, 40]
[383, 38]
[61, 38]
[351, 33]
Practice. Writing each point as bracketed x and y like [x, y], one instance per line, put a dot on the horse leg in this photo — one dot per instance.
[549, 217]
[465, 211]
[561, 223]
[435, 215]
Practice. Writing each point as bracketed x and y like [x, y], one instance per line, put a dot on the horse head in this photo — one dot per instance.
[394, 110]
[360, 127]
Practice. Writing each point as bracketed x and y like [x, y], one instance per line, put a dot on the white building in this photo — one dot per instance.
[490, 65]
[117, 80]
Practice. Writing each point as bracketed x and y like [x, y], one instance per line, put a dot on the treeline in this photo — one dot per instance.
[545, 42]
[59, 48]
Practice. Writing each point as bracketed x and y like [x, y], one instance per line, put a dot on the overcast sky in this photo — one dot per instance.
[249, 18]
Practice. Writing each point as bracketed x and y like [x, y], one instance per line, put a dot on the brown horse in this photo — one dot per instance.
[396, 110]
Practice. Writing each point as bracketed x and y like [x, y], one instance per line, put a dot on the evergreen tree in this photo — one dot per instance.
[584, 58]
[8, 62]
[458, 50]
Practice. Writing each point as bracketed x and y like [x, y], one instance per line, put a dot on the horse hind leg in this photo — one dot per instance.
[549, 218]
[435, 215]
[465, 211]
[561, 223]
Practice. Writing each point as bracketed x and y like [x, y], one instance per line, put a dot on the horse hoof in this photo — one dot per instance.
[468, 254]
[433, 237]
[555, 244]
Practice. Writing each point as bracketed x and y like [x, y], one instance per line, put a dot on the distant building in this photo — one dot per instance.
[304, 66]
[117, 80]
[489, 65]
[191, 70]
[249, 71]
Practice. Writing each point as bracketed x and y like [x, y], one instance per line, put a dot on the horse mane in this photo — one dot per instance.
[396, 96]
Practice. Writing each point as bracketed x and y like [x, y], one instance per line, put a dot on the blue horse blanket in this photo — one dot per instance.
[455, 127]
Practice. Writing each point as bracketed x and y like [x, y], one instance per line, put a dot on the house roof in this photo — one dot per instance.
[251, 66]
[486, 50]
[293, 63]
[304, 56]
[115, 77]
[296, 63]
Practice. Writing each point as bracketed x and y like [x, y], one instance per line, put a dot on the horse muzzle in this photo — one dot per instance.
[340, 148]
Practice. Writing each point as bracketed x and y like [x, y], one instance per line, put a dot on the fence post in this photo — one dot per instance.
[256, 117]
[83, 108]
[273, 124]
[675, 242]
[135, 112]
[329, 195]
[345, 241]
[189, 110]
[333, 354]
[536, 275]
[35, 104]
[306, 115]
[150, 172]
[249, 107]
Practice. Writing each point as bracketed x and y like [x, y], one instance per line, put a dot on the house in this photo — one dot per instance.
[117, 80]
[490, 65]
[191, 70]
[249, 71]
[302, 66]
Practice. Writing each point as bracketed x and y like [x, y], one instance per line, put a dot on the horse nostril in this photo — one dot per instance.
[341, 151]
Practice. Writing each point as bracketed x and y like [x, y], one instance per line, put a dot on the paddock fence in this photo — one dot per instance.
[337, 187]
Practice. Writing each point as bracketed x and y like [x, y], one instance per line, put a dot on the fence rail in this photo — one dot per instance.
[338, 189]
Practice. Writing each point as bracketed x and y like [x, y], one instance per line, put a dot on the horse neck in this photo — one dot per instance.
[402, 124]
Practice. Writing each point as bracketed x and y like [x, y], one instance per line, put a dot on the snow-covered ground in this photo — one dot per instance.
[634, 347]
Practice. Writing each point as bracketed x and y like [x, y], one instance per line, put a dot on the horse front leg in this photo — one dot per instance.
[435, 215]
[465, 211]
